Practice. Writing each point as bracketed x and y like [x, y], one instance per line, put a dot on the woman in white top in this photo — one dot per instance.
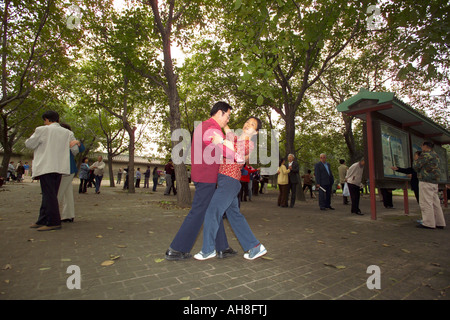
[353, 179]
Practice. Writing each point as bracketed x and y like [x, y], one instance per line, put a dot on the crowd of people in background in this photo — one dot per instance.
[424, 174]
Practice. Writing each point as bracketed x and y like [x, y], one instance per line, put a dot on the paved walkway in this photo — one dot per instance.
[312, 254]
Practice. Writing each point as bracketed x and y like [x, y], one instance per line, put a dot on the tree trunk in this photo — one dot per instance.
[350, 139]
[183, 190]
[290, 147]
[110, 169]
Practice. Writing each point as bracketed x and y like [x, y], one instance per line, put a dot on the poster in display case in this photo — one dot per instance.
[395, 150]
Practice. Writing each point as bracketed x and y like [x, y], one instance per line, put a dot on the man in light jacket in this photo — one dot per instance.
[99, 168]
[51, 144]
[353, 179]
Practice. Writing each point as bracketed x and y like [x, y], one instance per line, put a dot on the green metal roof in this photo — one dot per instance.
[400, 112]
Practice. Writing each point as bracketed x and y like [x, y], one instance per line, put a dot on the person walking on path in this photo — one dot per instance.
[155, 175]
[99, 168]
[353, 178]
[283, 184]
[324, 182]
[244, 181]
[119, 176]
[170, 172]
[138, 178]
[428, 173]
[342, 169]
[51, 160]
[205, 162]
[225, 198]
[293, 178]
[307, 182]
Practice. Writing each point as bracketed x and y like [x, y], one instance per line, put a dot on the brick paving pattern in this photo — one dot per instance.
[312, 254]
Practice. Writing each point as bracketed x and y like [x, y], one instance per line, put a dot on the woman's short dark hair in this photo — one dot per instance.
[51, 115]
[84, 159]
[258, 121]
[220, 106]
[281, 162]
[65, 125]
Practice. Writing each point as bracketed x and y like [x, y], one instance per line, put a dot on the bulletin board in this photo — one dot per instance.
[395, 150]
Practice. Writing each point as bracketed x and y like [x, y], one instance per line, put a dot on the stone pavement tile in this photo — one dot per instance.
[305, 246]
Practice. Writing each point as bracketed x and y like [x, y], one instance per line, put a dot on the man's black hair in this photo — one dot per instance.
[51, 115]
[220, 106]
[429, 144]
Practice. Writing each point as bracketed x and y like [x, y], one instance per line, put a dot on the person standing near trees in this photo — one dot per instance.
[283, 184]
[324, 182]
[99, 168]
[342, 169]
[147, 177]
[353, 178]
[155, 175]
[293, 177]
[428, 173]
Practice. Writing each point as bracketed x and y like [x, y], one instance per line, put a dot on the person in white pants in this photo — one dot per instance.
[65, 192]
[428, 173]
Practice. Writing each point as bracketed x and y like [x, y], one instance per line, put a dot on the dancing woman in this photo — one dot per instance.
[225, 196]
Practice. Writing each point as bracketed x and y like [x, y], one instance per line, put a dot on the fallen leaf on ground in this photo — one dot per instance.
[435, 264]
[6, 267]
[158, 260]
[333, 266]
[186, 298]
[266, 258]
[107, 263]
[406, 251]
[121, 246]
[99, 236]
[44, 268]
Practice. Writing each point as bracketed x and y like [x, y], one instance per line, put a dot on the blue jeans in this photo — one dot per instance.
[187, 234]
[225, 199]
[98, 182]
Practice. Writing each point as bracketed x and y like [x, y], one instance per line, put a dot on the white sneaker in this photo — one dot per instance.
[256, 252]
[203, 256]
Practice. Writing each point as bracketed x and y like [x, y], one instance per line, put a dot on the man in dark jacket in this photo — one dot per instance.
[293, 177]
[324, 182]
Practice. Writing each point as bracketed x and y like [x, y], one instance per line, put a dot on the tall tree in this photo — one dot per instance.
[35, 49]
